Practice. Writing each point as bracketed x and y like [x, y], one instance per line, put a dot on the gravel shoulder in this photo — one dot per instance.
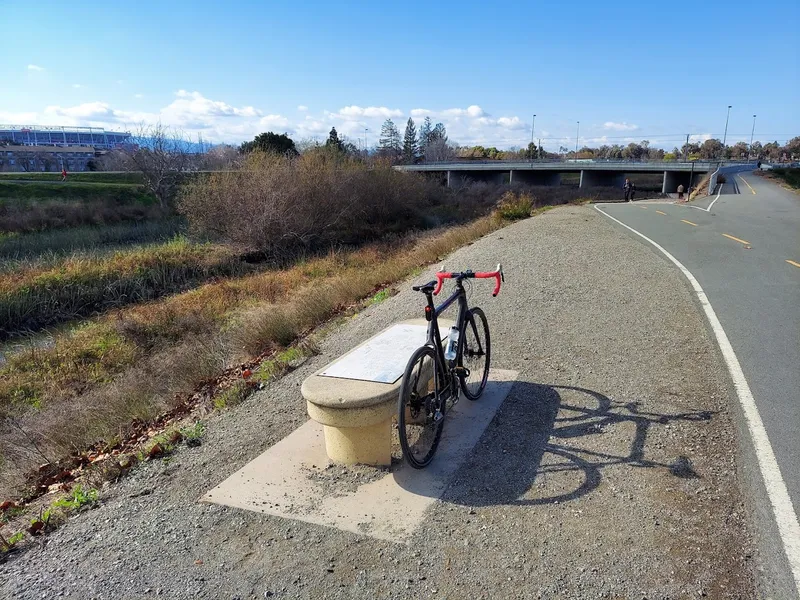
[609, 472]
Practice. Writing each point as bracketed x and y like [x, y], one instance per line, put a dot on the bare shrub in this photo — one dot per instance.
[515, 206]
[281, 206]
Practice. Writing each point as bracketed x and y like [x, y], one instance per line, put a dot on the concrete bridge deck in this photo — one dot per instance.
[592, 173]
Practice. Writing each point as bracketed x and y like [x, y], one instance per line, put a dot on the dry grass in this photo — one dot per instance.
[26, 217]
[80, 286]
[702, 188]
[138, 363]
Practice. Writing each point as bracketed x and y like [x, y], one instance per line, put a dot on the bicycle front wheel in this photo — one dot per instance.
[475, 355]
[421, 408]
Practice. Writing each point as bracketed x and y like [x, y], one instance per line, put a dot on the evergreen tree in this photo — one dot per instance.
[334, 141]
[425, 135]
[270, 142]
[438, 134]
[389, 141]
[410, 148]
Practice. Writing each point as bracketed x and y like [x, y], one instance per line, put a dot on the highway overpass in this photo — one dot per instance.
[592, 173]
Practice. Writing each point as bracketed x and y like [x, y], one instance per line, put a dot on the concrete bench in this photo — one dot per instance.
[355, 396]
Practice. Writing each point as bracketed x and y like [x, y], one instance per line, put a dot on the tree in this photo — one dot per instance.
[737, 151]
[334, 141]
[793, 147]
[438, 133]
[410, 147]
[711, 148]
[271, 142]
[160, 155]
[424, 135]
[439, 151]
[221, 158]
[389, 142]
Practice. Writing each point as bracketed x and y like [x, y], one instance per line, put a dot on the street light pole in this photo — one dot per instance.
[752, 131]
[577, 135]
[533, 127]
[365, 141]
[725, 136]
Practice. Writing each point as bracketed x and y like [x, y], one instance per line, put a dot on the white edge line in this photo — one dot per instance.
[708, 209]
[785, 517]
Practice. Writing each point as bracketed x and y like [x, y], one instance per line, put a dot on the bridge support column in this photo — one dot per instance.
[592, 178]
[549, 178]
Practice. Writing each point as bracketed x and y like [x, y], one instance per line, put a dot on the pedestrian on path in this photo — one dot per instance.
[633, 190]
[63, 173]
[627, 189]
[680, 192]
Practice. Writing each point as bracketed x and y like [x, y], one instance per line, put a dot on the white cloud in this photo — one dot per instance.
[356, 112]
[700, 137]
[195, 105]
[302, 107]
[420, 112]
[77, 85]
[218, 121]
[619, 126]
[274, 121]
[35, 68]
[511, 123]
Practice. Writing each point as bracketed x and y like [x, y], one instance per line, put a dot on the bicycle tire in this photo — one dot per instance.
[417, 428]
[473, 389]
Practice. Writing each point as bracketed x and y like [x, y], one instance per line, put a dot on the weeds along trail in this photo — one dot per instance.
[139, 361]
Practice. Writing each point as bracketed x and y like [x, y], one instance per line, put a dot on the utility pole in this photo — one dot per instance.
[725, 136]
[686, 149]
[577, 135]
[752, 131]
[540, 148]
[533, 127]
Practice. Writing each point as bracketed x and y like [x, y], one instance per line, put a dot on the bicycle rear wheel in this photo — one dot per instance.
[421, 408]
[475, 355]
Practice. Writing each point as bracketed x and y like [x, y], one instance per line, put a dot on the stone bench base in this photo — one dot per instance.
[357, 415]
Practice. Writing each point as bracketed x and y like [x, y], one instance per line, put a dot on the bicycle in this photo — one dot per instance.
[434, 375]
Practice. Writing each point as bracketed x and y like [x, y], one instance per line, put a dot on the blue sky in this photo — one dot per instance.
[625, 70]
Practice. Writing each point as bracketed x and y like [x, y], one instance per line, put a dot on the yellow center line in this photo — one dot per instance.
[735, 239]
[747, 184]
[689, 222]
[791, 262]
[661, 213]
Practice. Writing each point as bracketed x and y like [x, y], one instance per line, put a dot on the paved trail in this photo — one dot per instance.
[611, 470]
[745, 253]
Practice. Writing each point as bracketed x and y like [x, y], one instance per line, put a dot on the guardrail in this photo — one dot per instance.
[731, 168]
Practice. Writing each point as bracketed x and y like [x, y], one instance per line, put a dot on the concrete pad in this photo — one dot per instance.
[283, 481]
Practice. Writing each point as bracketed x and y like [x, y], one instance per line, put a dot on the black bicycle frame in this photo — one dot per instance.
[434, 334]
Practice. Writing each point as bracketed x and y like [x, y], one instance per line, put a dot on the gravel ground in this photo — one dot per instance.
[609, 472]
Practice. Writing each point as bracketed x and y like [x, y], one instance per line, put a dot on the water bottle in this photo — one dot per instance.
[452, 344]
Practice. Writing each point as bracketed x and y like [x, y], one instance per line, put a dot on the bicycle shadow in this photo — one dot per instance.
[543, 432]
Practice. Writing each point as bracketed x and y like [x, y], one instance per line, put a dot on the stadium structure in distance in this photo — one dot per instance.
[49, 148]
[62, 137]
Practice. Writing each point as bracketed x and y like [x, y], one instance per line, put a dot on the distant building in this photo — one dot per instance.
[40, 148]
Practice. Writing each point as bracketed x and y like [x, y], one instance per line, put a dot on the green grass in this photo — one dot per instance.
[116, 193]
[77, 498]
[29, 250]
[88, 177]
[790, 176]
[79, 287]
[380, 296]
